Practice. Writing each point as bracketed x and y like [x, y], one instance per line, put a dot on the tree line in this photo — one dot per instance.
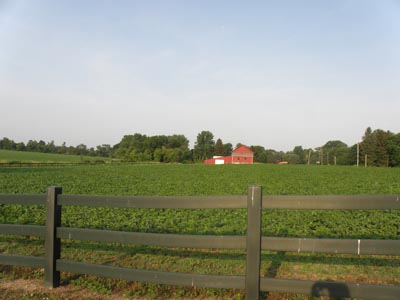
[49, 147]
[377, 148]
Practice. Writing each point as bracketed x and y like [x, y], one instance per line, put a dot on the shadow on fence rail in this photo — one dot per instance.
[253, 242]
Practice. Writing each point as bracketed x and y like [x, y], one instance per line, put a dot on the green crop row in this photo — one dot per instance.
[329, 224]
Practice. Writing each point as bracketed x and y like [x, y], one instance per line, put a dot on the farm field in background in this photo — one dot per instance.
[9, 156]
[207, 180]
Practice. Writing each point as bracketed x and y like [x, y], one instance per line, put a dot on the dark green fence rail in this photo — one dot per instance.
[253, 242]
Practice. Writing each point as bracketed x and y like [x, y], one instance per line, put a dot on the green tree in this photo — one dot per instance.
[81, 149]
[351, 156]
[260, 154]
[177, 141]
[368, 147]
[131, 147]
[228, 149]
[394, 150]
[104, 150]
[7, 144]
[160, 148]
[20, 147]
[301, 154]
[335, 152]
[274, 157]
[375, 147]
[153, 143]
[204, 146]
[32, 146]
[62, 149]
[382, 147]
[219, 148]
[291, 158]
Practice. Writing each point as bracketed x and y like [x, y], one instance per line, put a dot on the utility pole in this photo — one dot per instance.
[309, 157]
[358, 154]
[366, 160]
[321, 157]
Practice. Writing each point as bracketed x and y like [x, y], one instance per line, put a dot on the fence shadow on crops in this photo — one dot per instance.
[273, 269]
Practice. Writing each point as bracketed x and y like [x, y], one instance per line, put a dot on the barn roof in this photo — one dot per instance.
[242, 149]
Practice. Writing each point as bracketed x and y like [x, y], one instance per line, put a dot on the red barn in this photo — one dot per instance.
[241, 155]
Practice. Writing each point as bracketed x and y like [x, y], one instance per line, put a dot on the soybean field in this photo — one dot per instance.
[196, 179]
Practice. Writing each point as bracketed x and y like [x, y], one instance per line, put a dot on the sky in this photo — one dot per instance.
[273, 73]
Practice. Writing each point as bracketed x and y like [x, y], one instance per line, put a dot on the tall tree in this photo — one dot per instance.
[204, 146]
[219, 148]
[228, 149]
[375, 147]
[301, 154]
[7, 144]
[394, 150]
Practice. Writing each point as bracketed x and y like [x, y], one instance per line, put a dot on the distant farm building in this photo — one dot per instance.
[241, 155]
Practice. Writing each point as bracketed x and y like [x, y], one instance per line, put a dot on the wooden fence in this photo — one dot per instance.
[253, 242]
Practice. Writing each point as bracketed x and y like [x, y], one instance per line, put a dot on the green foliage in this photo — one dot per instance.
[260, 154]
[141, 148]
[300, 155]
[198, 179]
[376, 146]
[204, 146]
[394, 150]
[50, 147]
[219, 148]
[209, 180]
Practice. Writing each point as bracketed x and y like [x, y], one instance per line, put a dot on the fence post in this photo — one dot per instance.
[52, 243]
[253, 259]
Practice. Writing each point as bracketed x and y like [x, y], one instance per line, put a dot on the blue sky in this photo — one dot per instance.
[271, 73]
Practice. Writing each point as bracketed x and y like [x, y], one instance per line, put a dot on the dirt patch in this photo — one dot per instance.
[21, 289]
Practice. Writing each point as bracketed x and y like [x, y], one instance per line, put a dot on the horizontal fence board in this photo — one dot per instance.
[153, 239]
[338, 246]
[383, 247]
[309, 245]
[353, 202]
[33, 199]
[330, 288]
[184, 202]
[183, 279]
[24, 230]
[21, 260]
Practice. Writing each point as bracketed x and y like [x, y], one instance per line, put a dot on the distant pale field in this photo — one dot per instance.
[23, 156]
